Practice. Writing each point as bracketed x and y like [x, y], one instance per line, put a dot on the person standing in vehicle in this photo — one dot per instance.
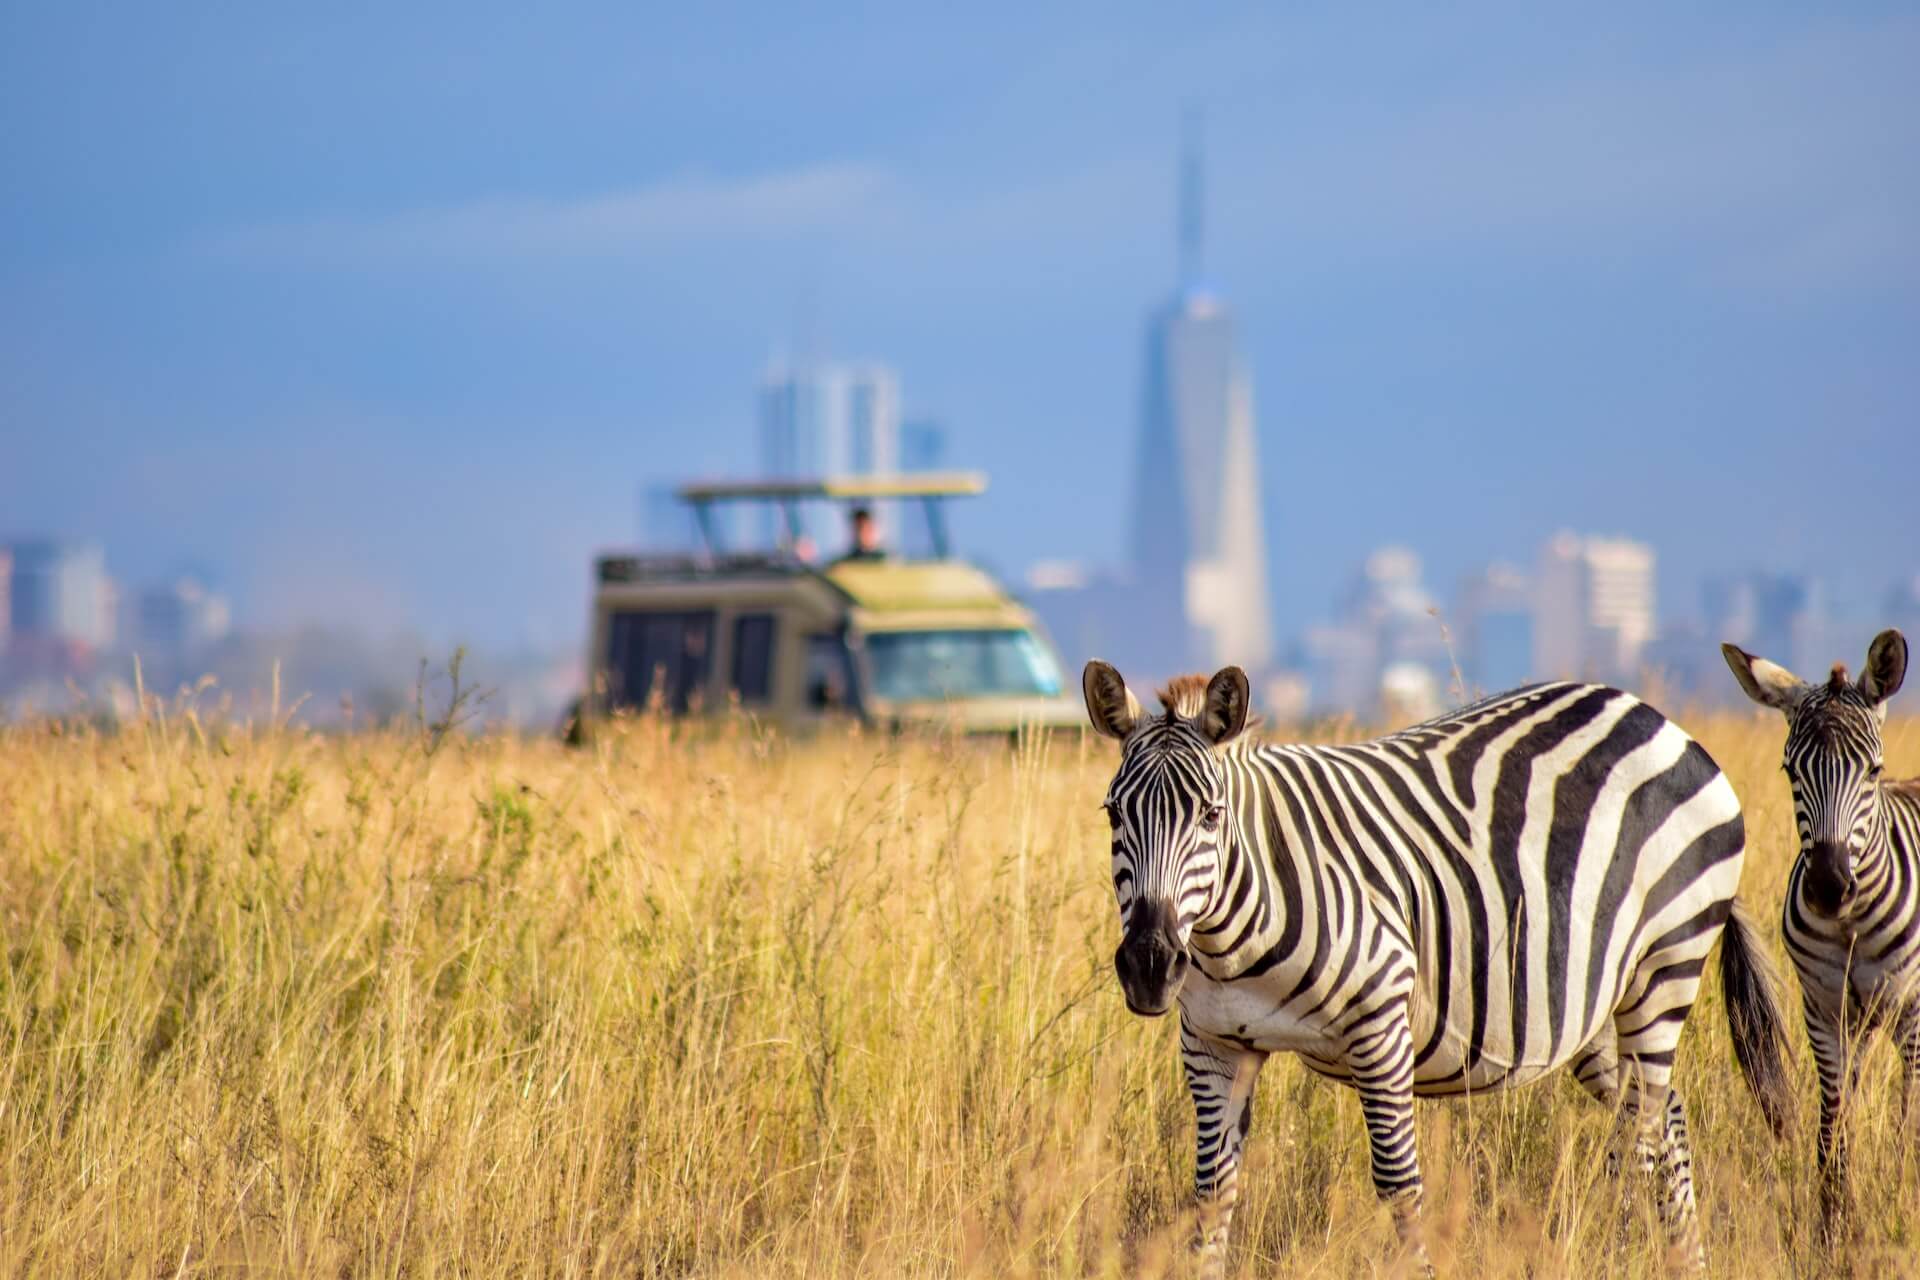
[865, 532]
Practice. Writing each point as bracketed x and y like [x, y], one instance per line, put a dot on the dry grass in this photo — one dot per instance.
[712, 1005]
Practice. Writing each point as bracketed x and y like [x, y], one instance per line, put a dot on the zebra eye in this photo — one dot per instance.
[1210, 820]
[1874, 772]
[1113, 816]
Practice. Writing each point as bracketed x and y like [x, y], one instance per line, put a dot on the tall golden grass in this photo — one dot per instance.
[713, 1003]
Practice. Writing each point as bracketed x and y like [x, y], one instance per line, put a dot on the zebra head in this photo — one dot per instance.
[1168, 807]
[1833, 760]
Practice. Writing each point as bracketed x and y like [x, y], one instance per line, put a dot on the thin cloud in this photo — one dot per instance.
[646, 220]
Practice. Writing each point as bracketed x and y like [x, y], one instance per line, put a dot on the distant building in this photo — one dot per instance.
[1199, 541]
[1085, 613]
[1682, 661]
[1778, 616]
[1902, 609]
[1495, 613]
[666, 523]
[827, 419]
[1341, 665]
[1285, 697]
[61, 596]
[1593, 607]
[923, 445]
[178, 621]
[1386, 657]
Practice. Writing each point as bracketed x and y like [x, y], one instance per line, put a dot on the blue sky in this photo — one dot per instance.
[385, 315]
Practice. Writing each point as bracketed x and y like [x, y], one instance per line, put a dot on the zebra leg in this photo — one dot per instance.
[1221, 1079]
[1678, 1211]
[1646, 1026]
[1381, 1062]
[1653, 1125]
[1596, 1069]
[1833, 1057]
[1906, 1033]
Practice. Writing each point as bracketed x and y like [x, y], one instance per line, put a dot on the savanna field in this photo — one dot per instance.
[711, 1002]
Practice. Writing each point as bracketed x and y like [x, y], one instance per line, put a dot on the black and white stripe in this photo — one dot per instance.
[1852, 914]
[1532, 882]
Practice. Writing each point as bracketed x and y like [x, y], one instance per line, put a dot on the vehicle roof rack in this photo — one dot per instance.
[930, 487]
[916, 484]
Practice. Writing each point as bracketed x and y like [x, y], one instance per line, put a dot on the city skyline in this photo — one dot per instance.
[1627, 274]
[1386, 647]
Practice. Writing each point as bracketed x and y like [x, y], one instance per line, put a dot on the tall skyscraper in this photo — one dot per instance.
[1199, 541]
[1593, 607]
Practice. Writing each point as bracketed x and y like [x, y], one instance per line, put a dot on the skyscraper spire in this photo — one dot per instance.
[1192, 197]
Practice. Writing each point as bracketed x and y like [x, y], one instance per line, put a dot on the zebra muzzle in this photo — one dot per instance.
[1152, 964]
[1829, 880]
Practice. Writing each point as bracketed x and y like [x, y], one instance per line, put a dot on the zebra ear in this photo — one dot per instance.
[1225, 712]
[1767, 683]
[1110, 704]
[1886, 666]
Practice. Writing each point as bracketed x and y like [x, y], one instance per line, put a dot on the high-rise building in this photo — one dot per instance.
[1199, 541]
[1593, 607]
[1778, 616]
[61, 594]
[1496, 629]
[178, 621]
[1386, 655]
[828, 419]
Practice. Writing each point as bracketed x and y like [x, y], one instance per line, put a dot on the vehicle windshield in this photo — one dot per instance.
[907, 666]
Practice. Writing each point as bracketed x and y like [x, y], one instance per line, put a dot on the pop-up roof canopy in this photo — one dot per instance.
[930, 487]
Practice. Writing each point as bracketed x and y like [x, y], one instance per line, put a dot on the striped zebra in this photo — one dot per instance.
[1852, 914]
[1530, 882]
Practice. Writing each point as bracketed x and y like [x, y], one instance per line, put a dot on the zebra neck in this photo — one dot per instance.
[1900, 826]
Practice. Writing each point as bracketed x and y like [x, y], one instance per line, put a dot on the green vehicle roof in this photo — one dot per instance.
[885, 586]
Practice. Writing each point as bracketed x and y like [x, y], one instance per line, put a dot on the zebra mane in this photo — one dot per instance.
[1838, 680]
[1184, 696]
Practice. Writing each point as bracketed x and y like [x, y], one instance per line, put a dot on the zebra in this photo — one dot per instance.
[1466, 905]
[1852, 911]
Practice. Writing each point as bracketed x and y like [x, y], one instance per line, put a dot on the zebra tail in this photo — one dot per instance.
[1751, 987]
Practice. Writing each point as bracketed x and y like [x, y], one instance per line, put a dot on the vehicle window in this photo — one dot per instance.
[830, 674]
[916, 665]
[659, 655]
[753, 656]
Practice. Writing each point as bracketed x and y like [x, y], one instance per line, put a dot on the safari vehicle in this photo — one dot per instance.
[891, 641]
